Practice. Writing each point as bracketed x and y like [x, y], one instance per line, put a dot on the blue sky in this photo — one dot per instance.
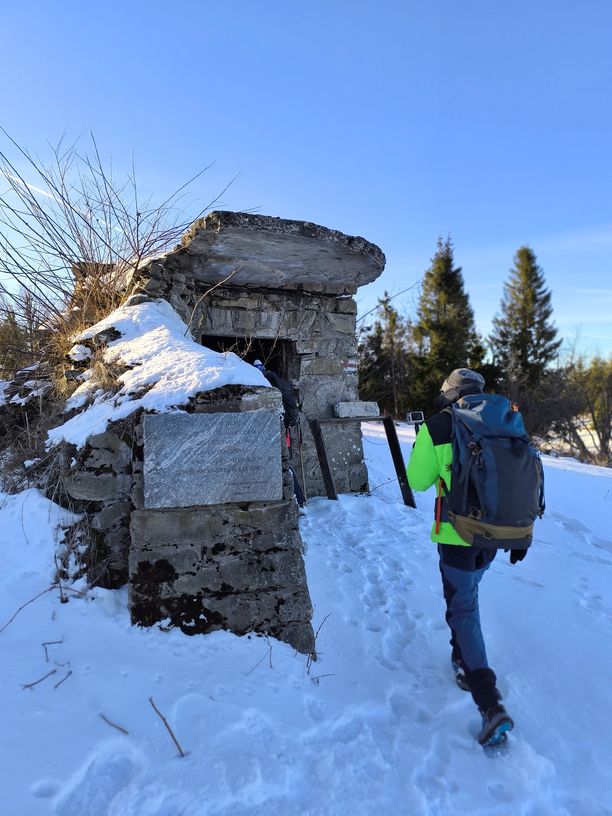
[398, 121]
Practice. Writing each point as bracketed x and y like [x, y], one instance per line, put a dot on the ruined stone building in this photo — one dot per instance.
[195, 508]
[281, 291]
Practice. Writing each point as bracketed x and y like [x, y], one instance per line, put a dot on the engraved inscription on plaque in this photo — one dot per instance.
[200, 459]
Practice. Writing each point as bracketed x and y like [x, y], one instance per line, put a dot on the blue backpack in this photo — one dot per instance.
[497, 479]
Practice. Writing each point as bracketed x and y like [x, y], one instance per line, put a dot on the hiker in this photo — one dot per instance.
[291, 416]
[463, 562]
[291, 413]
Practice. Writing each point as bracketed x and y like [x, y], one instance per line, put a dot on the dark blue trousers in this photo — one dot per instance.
[462, 569]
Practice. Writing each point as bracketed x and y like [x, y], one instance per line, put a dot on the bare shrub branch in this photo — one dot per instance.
[170, 731]
[73, 236]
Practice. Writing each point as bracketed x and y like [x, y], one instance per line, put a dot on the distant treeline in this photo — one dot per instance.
[405, 358]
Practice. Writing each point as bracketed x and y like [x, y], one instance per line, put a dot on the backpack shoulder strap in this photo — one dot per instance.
[463, 440]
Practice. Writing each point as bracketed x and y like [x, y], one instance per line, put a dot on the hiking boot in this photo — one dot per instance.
[460, 678]
[496, 722]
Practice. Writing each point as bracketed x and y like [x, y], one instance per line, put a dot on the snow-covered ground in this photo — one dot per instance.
[375, 727]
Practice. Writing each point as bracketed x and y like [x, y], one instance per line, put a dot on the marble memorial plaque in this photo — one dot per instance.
[201, 459]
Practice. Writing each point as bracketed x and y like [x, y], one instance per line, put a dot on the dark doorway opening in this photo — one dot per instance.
[275, 354]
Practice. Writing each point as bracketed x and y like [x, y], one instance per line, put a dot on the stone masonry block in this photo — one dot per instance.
[346, 306]
[109, 441]
[100, 458]
[102, 487]
[341, 323]
[214, 530]
[222, 567]
[111, 516]
[322, 365]
[231, 573]
[356, 408]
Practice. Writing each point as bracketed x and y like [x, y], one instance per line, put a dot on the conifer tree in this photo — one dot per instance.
[524, 338]
[445, 333]
[383, 360]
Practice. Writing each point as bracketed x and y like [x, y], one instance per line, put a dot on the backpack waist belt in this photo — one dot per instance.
[494, 536]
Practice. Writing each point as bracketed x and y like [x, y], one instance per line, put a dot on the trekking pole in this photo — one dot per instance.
[438, 506]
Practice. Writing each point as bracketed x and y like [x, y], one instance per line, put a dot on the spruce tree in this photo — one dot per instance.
[445, 332]
[383, 360]
[523, 340]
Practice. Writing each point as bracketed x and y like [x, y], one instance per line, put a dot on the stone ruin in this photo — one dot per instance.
[196, 509]
[281, 291]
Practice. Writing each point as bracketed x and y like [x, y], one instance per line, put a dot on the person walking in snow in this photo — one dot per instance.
[462, 565]
[291, 416]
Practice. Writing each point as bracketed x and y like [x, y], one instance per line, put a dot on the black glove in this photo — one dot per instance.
[517, 555]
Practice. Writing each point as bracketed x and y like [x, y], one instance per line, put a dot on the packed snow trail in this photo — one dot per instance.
[376, 726]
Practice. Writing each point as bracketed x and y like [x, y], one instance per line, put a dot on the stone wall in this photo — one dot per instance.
[234, 565]
[103, 484]
[223, 567]
[174, 524]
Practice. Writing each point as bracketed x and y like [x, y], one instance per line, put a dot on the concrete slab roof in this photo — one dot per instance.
[276, 253]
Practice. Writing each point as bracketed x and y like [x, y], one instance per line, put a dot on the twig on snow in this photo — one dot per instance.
[63, 598]
[321, 624]
[114, 725]
[165, 722]
[313, 655]
[36, 682]
[259, 662]
[48, 589]
[65, 677]
[49, 643]
[23, 606]
[317, 678]
[79, 592]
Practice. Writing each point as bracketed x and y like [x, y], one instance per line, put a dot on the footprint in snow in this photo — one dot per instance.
[595, 604]
[601, 544]
[522, 580]
[346, 729]
[106, 773]
[394, 644]
[501, 792]
[155, 799]
[571, 525]
[44, 788]
[315, 709]
[580, 530]
[385, 662]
